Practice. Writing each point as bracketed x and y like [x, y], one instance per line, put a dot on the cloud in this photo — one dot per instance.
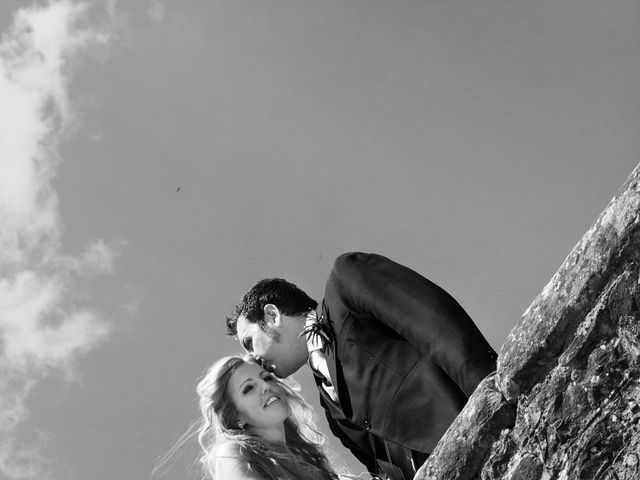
[157, 10]
[42, 331]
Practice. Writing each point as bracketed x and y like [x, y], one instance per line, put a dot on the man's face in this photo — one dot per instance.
[279, 345]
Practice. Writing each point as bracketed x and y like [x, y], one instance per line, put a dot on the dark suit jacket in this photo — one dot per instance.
[406, 358]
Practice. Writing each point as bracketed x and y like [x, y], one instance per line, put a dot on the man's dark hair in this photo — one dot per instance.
[289, 299]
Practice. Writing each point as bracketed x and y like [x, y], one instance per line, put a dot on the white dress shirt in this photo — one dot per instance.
[318, 360]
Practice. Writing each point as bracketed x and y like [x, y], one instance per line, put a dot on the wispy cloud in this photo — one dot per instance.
[157, 10]
[42, 332]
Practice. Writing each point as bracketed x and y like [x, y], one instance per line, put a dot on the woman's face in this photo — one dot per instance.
[259, 400]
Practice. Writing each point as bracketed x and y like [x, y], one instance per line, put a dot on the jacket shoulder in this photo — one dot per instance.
[346, 259]
[352, 262]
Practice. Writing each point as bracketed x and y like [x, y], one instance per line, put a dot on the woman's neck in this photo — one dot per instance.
[275, 436]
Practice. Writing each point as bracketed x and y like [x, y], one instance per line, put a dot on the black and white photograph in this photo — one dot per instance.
[319, 239]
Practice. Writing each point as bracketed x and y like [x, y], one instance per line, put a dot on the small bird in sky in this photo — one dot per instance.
[178, 189]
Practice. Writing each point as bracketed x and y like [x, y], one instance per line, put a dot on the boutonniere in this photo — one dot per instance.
[319, 329]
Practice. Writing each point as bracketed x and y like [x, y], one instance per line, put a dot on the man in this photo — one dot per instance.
[395, 356]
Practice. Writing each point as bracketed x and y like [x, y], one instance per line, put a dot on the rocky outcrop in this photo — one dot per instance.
[565, 401]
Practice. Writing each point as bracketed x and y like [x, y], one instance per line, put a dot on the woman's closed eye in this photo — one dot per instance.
[247, 344]
[247, 389]
[249, 386]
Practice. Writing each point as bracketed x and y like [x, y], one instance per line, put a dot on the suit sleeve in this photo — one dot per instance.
[419, 311]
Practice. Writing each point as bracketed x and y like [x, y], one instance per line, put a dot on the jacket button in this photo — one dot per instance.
[367, 425]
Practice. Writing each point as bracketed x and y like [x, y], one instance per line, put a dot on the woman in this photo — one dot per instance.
[255, 427]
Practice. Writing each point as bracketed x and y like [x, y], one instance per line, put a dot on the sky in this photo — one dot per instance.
[158, 158]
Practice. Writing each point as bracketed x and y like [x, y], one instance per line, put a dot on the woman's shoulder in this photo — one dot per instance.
[229, 463]
[227, 450]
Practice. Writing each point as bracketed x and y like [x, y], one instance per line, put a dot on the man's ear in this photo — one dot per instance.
[272, 314]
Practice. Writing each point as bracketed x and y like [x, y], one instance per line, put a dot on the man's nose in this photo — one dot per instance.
[264, 387]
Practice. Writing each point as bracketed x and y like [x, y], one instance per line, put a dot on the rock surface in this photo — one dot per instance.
[565, 402]
[488, 413]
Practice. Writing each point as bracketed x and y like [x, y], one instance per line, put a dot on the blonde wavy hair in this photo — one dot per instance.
[302, 457]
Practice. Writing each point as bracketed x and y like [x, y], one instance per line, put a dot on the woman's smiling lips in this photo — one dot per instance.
[271, 400]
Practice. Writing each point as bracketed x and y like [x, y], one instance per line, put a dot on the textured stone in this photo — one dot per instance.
[584, 415]
[533, 347]
[565, 402]
[526, 467]
[463, 448]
